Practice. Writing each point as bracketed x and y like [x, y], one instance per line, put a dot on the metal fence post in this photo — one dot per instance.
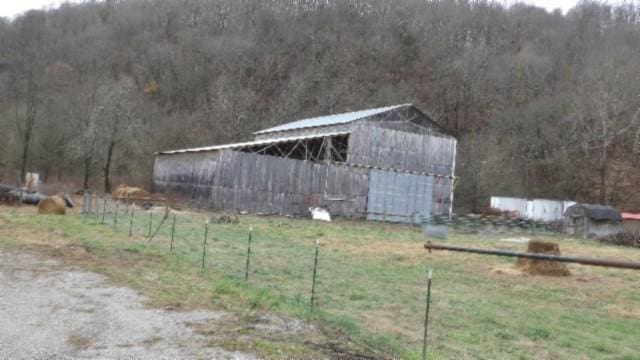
[104, 208]
[533, 227]
[204, 243]
[173, 229]
[150, 222]
[426, 316]
[85, 202]
[246, 269]
[115, 215]
[315, 272]
[131, 219]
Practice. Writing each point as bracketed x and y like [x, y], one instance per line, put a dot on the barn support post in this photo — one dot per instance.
[315, 273]
[453, 174]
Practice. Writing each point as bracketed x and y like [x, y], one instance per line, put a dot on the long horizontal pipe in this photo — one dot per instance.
[567, 259]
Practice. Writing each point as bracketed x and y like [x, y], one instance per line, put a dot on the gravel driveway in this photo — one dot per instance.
[48, 310]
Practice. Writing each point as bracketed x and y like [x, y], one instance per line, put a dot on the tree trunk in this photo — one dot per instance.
[603, 174]
[107, 167]
[603, 183]
[26, 131]
[87, 172]
[23, 160]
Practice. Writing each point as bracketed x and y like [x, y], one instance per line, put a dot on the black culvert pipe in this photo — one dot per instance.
[560, 258]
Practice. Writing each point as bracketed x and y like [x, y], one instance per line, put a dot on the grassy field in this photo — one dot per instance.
[371, 283]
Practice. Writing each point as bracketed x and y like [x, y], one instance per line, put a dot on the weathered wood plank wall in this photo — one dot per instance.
[370, 144]
[260, 183]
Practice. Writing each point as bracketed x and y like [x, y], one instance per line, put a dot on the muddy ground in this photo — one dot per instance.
[49, 310]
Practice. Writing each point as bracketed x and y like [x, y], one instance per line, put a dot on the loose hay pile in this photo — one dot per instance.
[230, 217]
[130, 192]
[542, 267]
[52, 205]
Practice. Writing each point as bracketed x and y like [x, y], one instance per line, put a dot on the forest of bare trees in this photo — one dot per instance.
[545, 104]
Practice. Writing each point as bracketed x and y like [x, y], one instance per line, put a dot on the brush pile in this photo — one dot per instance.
[626, 238]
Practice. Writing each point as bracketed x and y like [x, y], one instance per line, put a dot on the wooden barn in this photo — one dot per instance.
[392, 163]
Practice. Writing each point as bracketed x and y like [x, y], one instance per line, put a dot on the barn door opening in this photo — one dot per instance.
[399, 197]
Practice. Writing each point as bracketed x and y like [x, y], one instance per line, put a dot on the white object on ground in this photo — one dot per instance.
[318, 213]
[522, 240]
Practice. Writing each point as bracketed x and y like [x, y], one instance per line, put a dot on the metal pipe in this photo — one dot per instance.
[568, 259]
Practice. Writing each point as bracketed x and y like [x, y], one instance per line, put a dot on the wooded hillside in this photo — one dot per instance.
[545, 104]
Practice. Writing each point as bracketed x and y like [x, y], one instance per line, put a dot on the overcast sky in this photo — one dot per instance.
[9, 8]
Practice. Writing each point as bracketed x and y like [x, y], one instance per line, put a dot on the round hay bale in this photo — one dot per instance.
[52, 205]
[542, 267]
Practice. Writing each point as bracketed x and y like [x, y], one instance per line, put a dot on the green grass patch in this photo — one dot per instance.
[371, 284]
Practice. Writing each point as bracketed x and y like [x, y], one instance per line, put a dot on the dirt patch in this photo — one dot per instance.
[54, 312]
[506, 270]
[79, 342]
[410, 253]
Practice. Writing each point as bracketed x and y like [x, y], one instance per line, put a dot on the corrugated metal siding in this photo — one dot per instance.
[510, 204]
[398, 197]
[547, 210]
[535, 209]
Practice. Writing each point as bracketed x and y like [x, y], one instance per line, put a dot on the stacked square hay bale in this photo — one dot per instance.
[542, 267]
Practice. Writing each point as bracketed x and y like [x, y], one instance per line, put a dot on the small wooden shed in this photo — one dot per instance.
[588, 220]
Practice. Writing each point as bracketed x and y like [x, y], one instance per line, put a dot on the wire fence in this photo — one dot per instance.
[219, 246]
[297, 270]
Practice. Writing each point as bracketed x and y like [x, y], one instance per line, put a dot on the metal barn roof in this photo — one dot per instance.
[599, 212]
[630, 216]
[330, 119]
[250, 143]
